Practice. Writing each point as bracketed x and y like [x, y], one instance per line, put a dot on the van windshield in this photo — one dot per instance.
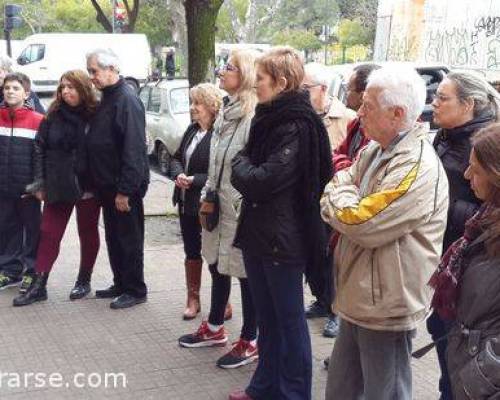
[179, 101]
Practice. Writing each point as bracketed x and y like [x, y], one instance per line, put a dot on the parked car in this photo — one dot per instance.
[167, 117]
[432, 75]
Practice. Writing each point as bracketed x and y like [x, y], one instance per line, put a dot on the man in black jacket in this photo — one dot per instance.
[119, 168]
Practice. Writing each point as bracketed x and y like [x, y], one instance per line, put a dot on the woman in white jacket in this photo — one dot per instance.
[230, 135]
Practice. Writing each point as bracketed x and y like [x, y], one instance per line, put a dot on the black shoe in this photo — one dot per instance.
[79, 291]
[36, 292]
[316, 310]
[109, 293]
[126, 301]
[326, 362]
[331, 328]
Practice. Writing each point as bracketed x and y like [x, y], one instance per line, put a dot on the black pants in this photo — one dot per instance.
[438, 328]
[221, 288]
[125, 240]
[19, 233]
[191, 236]
[322, 286]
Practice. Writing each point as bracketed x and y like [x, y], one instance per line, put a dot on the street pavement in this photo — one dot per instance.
[79, 344]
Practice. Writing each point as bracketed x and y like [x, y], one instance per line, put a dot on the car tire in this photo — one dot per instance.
[163, 158]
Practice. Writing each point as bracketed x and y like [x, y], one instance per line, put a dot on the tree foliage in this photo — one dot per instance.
[300, 39]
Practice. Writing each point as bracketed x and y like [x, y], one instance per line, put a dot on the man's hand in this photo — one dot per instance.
[183, 181]
[121, 203]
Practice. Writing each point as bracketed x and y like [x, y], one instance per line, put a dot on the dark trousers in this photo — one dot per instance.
[124, 233]
[284, 370]
[55, 218]
[322, 285]
[438, 328]
[191, 235]
[19, 234]
[221, 288]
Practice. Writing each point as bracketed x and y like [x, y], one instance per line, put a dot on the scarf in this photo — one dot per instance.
[446, 278]
[314, 157]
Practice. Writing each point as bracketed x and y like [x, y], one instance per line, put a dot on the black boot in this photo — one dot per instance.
[82, 285]
[36, 292]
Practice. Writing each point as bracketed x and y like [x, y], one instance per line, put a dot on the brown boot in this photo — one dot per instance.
[193, 283]
[228, 312]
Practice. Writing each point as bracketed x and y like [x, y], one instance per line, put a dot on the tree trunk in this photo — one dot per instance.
[201, 16]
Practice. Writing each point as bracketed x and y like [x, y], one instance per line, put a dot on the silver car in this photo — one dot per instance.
[167, 117]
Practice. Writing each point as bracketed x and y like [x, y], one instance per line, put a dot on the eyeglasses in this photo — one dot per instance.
[229, 67]
[309, 86]
[440, 97]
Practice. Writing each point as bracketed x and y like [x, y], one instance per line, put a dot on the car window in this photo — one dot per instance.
[179, 100]
[154, 100]
[32, 53]
[144, 96]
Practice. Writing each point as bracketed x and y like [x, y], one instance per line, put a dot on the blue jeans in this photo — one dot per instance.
[284, 370]
[370, 365]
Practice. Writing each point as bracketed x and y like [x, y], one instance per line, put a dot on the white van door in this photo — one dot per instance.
[34, 63]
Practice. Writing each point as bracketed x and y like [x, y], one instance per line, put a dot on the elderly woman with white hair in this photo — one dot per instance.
[118, 165]
[390, 209]
[5, 68]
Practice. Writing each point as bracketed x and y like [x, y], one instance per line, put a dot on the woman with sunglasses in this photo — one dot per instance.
[230, 134]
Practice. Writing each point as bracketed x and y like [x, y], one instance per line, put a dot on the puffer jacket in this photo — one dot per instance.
[453, 147]
[17, 133]
[473, 351]
[391, 232]
[61, 168]
[217, 246]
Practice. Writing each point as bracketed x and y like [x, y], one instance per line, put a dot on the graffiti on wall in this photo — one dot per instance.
[477, 46]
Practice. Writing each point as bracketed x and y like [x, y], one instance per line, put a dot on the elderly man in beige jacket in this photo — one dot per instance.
[390, 209]
[334, 113]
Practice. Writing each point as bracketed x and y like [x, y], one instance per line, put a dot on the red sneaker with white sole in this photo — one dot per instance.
[204, 337]
[242, 353]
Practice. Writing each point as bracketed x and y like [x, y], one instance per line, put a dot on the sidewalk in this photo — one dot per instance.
[86, 337]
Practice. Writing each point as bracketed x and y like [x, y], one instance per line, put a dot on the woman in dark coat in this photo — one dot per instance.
[189, 169]
[62, 181]
[281, 174]
[468, 281]
[463, 104]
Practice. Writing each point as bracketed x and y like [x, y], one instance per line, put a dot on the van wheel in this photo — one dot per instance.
[163, 157]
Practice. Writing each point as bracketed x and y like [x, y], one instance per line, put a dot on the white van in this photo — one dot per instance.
[46, 56]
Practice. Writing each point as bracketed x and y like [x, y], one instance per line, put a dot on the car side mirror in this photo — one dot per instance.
[22, 60]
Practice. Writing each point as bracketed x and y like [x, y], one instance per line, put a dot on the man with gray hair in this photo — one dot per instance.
[390, 208]
[335, 115]
[119, 167]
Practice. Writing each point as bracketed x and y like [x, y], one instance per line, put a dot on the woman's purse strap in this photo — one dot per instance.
[219, 179]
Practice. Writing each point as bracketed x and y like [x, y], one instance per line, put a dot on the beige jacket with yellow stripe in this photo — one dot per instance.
[391, 234]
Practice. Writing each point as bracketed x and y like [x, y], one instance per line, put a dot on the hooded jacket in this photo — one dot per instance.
[390, 209]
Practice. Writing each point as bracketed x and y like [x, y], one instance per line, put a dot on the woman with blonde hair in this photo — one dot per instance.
[62, 181]
[281, 174]
[220, 198]
[189, 168]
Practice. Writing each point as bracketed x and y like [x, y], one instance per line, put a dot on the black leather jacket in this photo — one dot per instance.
[473, 351]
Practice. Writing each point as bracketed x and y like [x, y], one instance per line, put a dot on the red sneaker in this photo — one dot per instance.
[204, 337]
[239, 395]
[242, 353]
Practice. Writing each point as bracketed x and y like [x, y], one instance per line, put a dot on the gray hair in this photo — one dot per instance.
[401, 86]
[6, 63]
[318, 73]
[106, 58]
[471, 86]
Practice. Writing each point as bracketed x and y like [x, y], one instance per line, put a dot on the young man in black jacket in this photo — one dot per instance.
[119, 168]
